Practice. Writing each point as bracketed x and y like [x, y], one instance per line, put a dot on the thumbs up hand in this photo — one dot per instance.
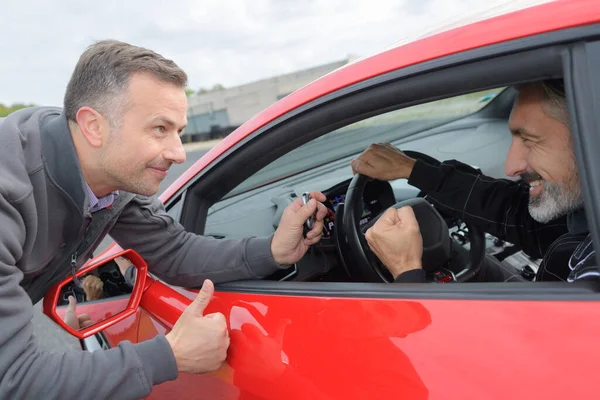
[76, 321]
[199, 342]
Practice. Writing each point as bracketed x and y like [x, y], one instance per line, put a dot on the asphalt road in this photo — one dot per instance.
[49, 335]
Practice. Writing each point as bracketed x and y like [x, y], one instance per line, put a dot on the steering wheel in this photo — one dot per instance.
[433, 227]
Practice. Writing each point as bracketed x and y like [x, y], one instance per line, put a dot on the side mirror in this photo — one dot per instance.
[104, 293]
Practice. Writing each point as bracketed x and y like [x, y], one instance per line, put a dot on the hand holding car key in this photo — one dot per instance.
[292, 239]
[310, 222]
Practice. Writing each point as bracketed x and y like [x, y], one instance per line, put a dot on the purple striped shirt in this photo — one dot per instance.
[97, 204]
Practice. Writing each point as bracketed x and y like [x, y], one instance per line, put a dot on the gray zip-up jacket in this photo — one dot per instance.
[45, 222]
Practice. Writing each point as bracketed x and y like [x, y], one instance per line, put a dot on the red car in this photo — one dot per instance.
[323, 330]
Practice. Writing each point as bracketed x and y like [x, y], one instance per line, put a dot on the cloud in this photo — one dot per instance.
[228, 41]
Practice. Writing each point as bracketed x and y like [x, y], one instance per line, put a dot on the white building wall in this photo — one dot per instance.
[234, 106]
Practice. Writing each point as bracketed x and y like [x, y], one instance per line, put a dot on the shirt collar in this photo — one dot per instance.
[99, 203]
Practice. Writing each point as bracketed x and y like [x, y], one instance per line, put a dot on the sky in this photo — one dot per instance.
[230, 42]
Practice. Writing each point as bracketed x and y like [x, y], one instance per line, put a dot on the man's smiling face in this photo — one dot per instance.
[542, 154]
[137, 156]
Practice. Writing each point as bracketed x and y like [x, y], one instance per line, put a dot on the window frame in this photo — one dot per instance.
[539, 57]
[582, 86]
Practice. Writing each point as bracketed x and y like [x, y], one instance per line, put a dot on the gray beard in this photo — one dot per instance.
[554, 202]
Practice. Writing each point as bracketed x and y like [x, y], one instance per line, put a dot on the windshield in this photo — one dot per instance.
[355, 138]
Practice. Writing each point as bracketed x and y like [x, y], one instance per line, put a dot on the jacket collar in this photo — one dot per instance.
[577, 222]
[61, 159]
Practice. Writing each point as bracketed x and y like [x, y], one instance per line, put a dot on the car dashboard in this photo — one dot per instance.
[324, 263]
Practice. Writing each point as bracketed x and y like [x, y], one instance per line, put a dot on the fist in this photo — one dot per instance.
[93, 287]
[384, 162]
[396, 240]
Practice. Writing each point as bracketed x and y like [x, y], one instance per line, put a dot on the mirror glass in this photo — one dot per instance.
[98, 294]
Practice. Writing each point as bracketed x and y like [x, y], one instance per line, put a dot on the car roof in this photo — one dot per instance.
[463, 19]
[514, 25]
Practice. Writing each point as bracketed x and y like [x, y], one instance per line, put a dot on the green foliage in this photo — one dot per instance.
[189, 92]
[5, 110]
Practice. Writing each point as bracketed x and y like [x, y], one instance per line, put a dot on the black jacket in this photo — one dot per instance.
[500, 207]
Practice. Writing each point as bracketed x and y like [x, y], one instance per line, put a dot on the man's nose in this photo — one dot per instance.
[516, 162]
[175, 151]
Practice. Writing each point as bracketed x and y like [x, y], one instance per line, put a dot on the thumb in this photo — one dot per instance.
[204, 296]
[390, 216]
[70, 318]
[407, 216]
[306, 211]
[72, 304]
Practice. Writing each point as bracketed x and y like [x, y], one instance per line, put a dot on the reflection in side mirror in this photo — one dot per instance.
[102, 294]
[98, 295]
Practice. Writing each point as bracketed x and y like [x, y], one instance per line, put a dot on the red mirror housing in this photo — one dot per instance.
[53, 296]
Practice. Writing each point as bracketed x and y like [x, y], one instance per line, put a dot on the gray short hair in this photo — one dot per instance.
[102, 75]
[553, 91]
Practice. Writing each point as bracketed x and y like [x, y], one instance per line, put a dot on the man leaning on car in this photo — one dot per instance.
[70, 176]
[543, 212]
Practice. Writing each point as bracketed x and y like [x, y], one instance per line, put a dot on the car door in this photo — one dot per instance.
[356, 340]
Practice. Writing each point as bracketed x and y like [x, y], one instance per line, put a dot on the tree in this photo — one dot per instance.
[189, 92]
[6, 110]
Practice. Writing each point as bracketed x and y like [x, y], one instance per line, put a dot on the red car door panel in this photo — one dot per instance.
[301, 347]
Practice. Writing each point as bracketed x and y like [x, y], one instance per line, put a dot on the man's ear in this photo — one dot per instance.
[92, 125]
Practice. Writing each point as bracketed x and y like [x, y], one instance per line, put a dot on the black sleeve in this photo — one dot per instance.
[412, 276]
[498, 206]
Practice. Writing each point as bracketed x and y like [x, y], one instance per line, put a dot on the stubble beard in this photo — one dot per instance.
[557, 199]
[122, 172]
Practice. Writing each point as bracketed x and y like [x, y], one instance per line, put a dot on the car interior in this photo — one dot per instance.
[456, 128]
[431, 113]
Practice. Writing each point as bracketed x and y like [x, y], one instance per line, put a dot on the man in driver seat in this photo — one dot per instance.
[542, 213]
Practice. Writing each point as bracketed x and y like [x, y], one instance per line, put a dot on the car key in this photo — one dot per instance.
[310, 222]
